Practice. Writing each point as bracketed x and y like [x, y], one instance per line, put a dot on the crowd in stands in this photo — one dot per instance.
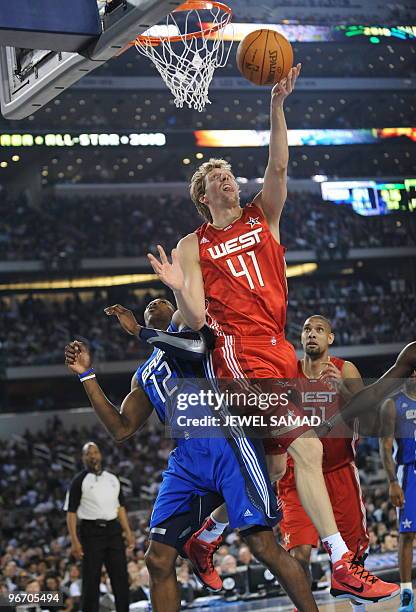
[361, 312]
[321, 59]
[35, 471]
[36, 329]
[242, 109]
[92, 109]
[62, 231]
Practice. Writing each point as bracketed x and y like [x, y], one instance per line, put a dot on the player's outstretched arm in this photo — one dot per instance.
[371, 397]
[274, 192]
[184, 277]
[184, 344]
[135, 409]
[125, 317]
[191, 299]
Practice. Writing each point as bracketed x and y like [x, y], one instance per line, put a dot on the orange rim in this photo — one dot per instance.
[190, 5]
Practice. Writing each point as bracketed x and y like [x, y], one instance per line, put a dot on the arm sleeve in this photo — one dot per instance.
[121, 498]
[73, 496]
[186, 344]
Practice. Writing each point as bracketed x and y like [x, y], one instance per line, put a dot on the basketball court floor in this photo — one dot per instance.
[325, 602]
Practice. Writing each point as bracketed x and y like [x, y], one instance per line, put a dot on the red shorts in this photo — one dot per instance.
[347, 502]
[255, 358]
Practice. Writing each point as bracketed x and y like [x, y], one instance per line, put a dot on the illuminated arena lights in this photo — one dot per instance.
[83, 140]
[369, 198]
[297, 138]
[315, 33]
[325, 11]
[208, 138]
[119, 280]
[80, 283]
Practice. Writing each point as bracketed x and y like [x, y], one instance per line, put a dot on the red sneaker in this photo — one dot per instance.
[350, 580]
[201, 554]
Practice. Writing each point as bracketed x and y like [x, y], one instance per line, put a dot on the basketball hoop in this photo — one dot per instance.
[187, 55]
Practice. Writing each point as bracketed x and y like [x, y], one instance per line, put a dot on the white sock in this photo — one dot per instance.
[335, 546]
[406, 585]
[209, 535]
[358, 607]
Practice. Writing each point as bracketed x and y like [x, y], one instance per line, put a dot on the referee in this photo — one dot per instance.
[95, 497]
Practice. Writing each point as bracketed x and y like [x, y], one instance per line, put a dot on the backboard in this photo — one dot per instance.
[31, 78]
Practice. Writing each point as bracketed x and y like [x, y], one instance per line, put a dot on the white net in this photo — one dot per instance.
[187, 65]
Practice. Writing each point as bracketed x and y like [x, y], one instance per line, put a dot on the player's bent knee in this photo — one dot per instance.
[307, 452]
[158, 566]
[160, 561]
[261, 544]
[276, 466]
[302, 555]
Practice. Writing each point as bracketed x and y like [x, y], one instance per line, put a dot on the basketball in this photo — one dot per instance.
[264, 57]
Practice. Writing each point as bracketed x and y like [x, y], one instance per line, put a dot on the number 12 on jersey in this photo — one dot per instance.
[244, 268]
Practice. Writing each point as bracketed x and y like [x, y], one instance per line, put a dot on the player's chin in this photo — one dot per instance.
[312, 350]
[231, 196]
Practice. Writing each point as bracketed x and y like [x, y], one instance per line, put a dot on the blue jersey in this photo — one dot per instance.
[404, 447]
[162, 377]
[234, 466]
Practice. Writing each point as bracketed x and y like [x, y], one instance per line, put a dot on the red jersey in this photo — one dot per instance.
[320, 397]
[244, 273]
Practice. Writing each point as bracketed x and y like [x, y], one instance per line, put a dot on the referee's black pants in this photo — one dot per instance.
[103, 543]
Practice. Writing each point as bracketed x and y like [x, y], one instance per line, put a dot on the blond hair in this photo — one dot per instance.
[197, 186]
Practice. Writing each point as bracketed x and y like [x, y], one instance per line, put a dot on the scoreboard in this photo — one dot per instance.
[372, 197]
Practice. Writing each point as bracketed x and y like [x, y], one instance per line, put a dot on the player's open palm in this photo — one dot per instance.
[125, 317]
[77, 357]
[396, 495]
[169, 273]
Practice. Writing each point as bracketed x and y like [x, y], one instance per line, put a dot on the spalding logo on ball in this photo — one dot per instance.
[264, 57]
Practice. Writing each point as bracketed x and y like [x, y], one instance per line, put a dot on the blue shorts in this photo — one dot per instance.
[406, 516]
[235, 468]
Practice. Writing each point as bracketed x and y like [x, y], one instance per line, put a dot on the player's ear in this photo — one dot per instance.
[331, 338]
[203, 199]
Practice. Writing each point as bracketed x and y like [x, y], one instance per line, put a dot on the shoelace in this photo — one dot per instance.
[363, 557]
[360, 551]
[358, 569]
[406, 598]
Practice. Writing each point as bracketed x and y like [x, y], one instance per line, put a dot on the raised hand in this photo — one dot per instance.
[125, 317]
[284, 88]
[77, 357]
[169, 273]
